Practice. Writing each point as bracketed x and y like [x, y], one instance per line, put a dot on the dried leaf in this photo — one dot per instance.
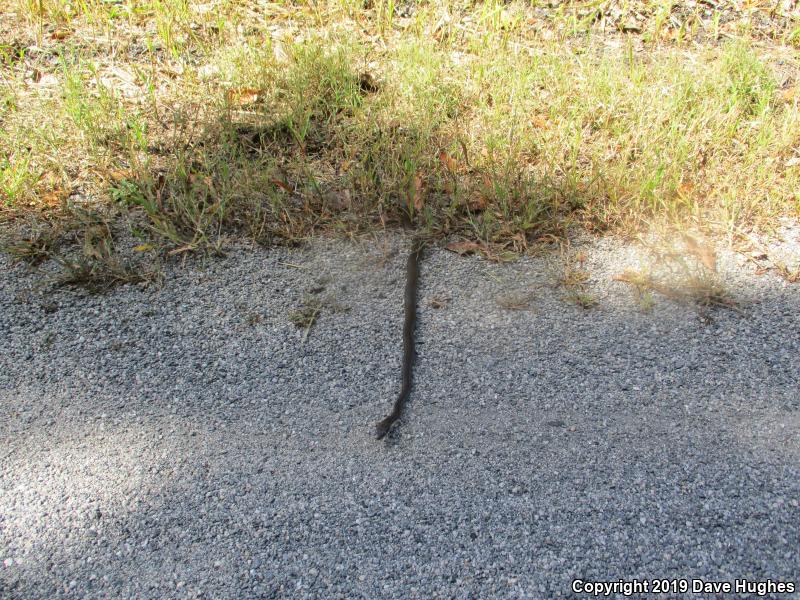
[540, 122]
[243, 96]
[143, 248]
[790, 94]
[685, 189]
[465, 247]
[448, 161]
[284, 186]
[54, 198]
[118, 175]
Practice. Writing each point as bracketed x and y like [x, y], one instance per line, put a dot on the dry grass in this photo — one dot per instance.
[683, 269]
[312, 306]
[574, 278]
[98, 276]
[504, 123]
[516, 300]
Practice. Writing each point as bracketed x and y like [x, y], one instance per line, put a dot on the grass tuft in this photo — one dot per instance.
[684, 270]
[574, 278]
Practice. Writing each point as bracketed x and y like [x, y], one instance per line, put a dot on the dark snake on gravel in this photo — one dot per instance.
[412, 283]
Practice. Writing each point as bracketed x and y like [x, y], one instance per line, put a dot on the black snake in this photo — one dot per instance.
[412, 283]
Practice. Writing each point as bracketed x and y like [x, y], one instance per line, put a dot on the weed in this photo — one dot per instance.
[48, 341]
[81, 243]
[750, 84]
[310, 309]
[683, 269]
[253, 318]
[37, 245]
[306, 315]
[702, 291]
[99, 276]
[646, 300]
[15, 176]
[582, 299]
[790, 275]
[574, 278]
[439, 301]
[97, 268]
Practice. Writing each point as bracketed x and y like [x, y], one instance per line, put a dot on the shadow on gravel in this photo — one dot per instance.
[160, 448]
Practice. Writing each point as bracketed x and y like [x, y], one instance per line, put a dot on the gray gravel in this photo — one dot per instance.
[180, 441]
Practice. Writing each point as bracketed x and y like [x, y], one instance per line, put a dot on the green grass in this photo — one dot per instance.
[488, 120]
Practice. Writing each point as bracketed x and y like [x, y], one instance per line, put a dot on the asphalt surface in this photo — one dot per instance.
[183, 441]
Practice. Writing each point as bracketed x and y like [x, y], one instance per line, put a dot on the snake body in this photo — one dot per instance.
[412, 283]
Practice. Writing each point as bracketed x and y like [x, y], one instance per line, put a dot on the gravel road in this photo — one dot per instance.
[180, 441]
